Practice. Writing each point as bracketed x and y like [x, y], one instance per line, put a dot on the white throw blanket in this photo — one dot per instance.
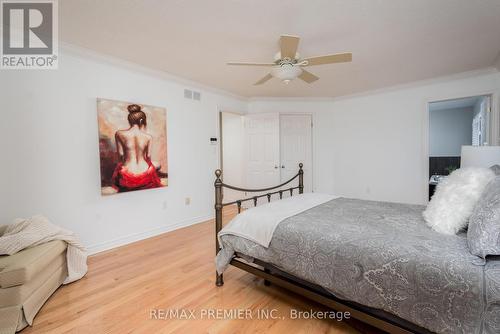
[24, 233]
[258, 224]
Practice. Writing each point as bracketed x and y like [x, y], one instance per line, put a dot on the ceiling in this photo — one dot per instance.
[393, 41]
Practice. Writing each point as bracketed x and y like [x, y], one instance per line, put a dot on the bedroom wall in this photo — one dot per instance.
[449, 129]
[375, 146]
[50, 159]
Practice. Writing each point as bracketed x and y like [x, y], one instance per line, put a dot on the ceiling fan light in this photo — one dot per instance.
[286, 81]
[286, 72]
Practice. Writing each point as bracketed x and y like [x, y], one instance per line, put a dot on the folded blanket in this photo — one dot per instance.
[25, 233]
[258, 224]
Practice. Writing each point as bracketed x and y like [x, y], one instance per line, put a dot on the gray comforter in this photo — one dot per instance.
[382, 255]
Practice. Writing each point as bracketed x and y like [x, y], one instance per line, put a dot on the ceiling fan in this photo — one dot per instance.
[288, 65]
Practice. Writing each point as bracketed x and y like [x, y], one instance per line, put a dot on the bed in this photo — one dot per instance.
[379, 261]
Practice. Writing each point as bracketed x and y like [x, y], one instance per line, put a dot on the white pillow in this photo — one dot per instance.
[451, 206]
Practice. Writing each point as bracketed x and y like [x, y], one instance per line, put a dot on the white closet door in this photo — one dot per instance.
[296, 147]
[262, 150]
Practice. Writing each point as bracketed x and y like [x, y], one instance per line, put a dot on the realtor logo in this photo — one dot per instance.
[29, 34]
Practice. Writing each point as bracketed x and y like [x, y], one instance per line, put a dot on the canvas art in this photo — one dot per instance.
[132, 146]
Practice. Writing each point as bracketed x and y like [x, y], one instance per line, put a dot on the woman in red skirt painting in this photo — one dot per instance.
[135, 171]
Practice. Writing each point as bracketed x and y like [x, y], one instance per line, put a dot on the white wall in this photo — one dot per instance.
[50, 159]
[375, 146]
[449, 130]
[233, 130]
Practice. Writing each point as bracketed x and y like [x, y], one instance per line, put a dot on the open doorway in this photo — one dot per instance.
[232, 142]
[453, 124]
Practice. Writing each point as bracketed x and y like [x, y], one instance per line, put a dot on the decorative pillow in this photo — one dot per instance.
[495, 169]
[483, 235]
[451, 206]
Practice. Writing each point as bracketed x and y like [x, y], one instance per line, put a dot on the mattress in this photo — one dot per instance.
[383, 255]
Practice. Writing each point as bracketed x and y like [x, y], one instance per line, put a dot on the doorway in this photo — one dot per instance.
[232, 129]
[453, 124]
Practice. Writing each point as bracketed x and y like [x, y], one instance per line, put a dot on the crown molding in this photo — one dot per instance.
[410, 85]
[128, 65]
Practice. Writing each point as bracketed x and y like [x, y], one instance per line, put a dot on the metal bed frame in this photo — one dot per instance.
[374, 317]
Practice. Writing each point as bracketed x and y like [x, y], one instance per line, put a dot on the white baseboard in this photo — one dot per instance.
[100, 247]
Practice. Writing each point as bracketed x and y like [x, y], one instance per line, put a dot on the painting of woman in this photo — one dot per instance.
[131, 150]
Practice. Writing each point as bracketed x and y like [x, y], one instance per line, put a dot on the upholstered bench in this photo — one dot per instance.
[27, 279]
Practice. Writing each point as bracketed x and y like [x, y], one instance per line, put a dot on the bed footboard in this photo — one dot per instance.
[269, 192]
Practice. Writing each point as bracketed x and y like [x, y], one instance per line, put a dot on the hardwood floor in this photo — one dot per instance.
[173, 271]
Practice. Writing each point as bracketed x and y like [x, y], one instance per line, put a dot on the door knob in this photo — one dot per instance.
[282, 166]
[275, 166]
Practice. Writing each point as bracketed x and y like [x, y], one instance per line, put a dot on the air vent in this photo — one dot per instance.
[192, 95]
[196, 96]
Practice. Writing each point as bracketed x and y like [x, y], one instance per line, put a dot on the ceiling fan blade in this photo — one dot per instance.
[329, 59]
[251, 64]
[288, 46]
[264, 79]
[308, 76]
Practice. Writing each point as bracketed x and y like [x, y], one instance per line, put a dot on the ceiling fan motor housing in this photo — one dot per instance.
[278, 58]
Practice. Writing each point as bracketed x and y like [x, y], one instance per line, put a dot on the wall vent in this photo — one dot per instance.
[196, 96]
[192, 95]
